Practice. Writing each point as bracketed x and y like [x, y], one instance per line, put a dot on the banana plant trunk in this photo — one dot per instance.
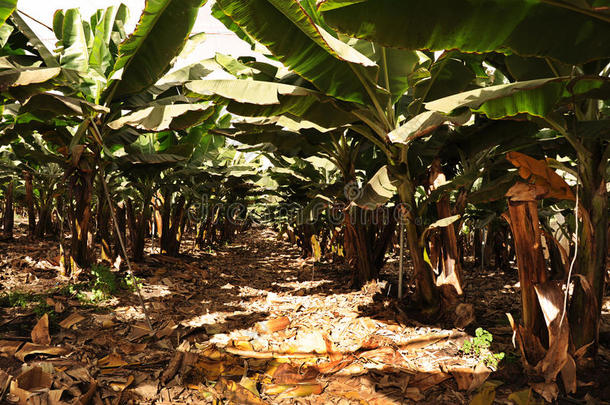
[29, 202]
[82, 191]
[368, 234]
[585, 309]
[8, 219]
[172, 220]
[44, 213]
[426, 292]
[138, 227]
[103, 228]
[448, 261]
[525, 226]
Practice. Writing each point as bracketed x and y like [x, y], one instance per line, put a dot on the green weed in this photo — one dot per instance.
[479, 347]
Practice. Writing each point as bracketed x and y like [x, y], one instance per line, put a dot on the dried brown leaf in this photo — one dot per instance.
[113, 360]
[40, 332]
[426, 380]
[31, 348]
[71, 320]
[288, 374]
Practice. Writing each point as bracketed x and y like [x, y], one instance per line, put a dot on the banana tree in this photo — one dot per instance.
[555, 81]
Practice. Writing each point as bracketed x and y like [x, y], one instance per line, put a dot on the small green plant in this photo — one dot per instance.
[479, 348]
[16, 299]
[104, 280]
[130, 283]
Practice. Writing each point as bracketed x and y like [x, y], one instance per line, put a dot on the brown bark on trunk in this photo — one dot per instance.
[137, 229]
[172, 225]
[525, 226]
[8, 219]
[29, 202]
[448, 260]
[82, 190]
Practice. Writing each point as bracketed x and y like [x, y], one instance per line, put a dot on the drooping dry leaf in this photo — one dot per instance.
[71, 320]
[40, 332]
[550, 296]
[31, 348]
[568, 376]
[541, 174]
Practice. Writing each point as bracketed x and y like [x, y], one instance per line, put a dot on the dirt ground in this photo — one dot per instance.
[253, 323]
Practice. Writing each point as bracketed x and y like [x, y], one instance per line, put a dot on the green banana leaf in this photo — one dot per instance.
[534, 97]
[164, 117]
[569, 32]
[146, 55]
[284, 28]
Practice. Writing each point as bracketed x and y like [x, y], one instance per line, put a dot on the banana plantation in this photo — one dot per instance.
[380, 202]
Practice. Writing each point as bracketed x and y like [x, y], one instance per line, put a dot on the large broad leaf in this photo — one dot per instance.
[164, 117]
[15, 78]
[48, 105]
[291, 35]
[378, 191]
[46, 55]
[146, 55]
[320, 113]
[535, 97]
[423, 124]
[275, 140]
[253, 98]
[248, 91]
[571, 33]
[100, 57]
[72, 40]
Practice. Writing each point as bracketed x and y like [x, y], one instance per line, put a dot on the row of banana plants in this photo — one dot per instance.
[99, 125]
